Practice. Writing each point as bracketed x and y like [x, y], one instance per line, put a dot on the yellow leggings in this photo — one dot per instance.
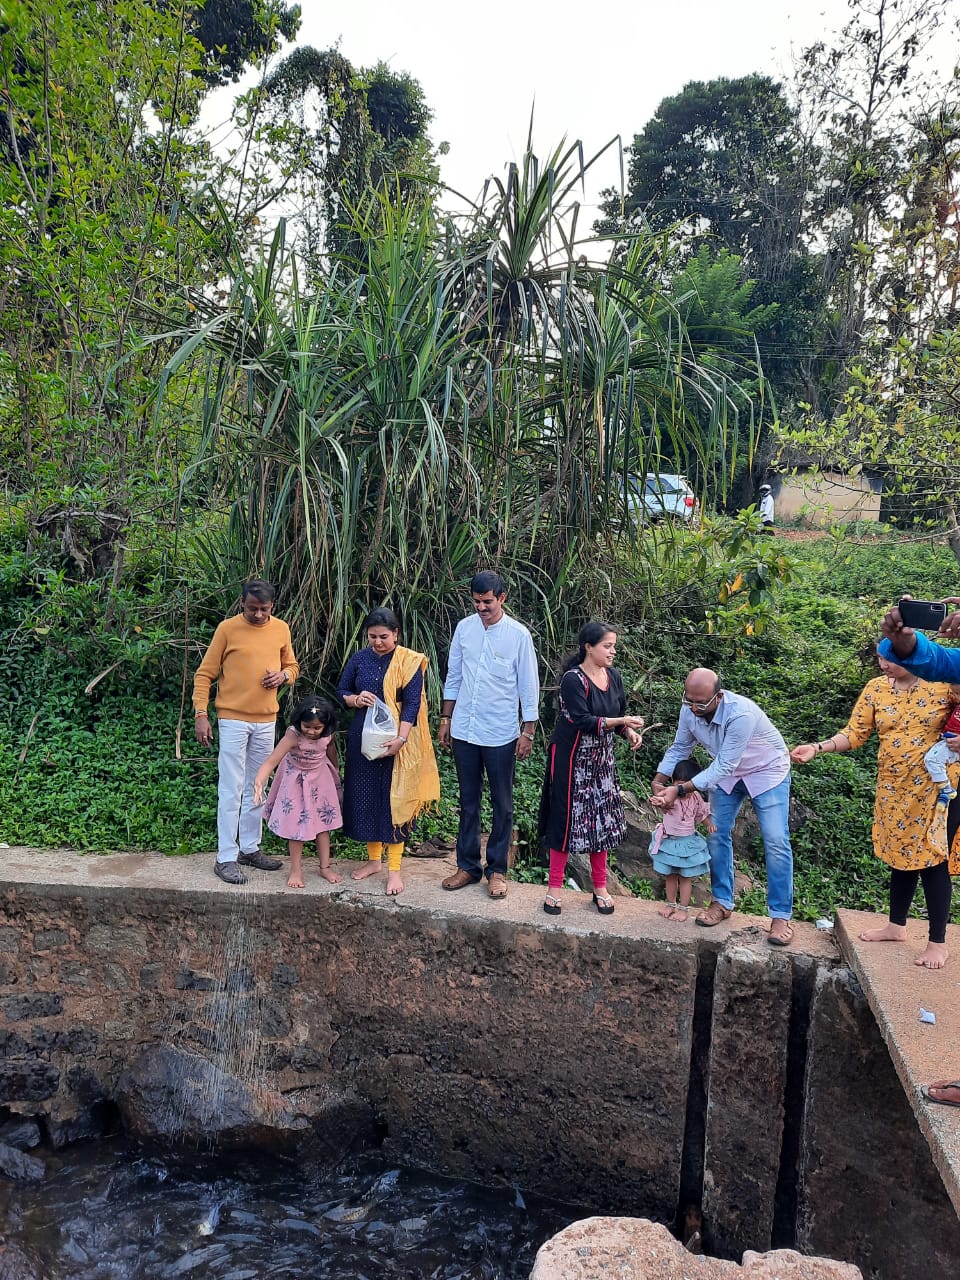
[394, 853]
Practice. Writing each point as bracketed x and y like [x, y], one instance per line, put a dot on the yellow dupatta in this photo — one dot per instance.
[415, 782]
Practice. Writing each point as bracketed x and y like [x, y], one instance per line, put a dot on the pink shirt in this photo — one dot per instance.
[682, 818]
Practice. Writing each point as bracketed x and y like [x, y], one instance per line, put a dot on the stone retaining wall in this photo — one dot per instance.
[627, 1065]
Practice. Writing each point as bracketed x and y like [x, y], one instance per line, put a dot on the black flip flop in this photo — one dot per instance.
[941, 1102]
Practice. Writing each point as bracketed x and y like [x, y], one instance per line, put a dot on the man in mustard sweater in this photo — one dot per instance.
[250, 657]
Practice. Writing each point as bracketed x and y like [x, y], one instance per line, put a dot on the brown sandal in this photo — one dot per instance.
[784, 937]
[713, 914]
[459, 880]
[497, 886]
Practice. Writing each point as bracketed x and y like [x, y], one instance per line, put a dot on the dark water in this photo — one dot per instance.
[112, 1211]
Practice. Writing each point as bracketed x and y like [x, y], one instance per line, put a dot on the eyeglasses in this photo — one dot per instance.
[695, 705]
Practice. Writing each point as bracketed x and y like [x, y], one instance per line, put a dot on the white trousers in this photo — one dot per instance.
[243, 748]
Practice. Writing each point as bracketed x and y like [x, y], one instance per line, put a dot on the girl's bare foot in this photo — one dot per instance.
[394, 883]
[367, 869]
[667, 910]
[934, 957]
[295, 880]
[680, 914]
[889, 933]
[328, 873]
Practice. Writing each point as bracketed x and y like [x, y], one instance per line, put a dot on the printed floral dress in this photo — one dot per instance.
[908, 832]
[304, 799]
[581, 810]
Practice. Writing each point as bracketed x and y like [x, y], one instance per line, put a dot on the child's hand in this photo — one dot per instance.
[711, 826]
[804, 753]
[258, 790]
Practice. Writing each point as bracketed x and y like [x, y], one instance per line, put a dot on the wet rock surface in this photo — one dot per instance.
[635, 1249]
[18, 1165]
[22, 1134]
[168, 1093]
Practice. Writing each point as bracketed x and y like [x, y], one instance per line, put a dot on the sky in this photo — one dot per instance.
[587, 75]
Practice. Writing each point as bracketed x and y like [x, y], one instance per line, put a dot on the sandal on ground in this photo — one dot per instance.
[784, 935]
[604, 904]
[715, 913]
[459, 880]
[497, 886]
[941, 1085]
[552, 905]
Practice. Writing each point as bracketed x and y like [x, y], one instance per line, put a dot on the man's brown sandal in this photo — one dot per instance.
[783, 937]
[459, 880]
[713, 914]
[497, 886]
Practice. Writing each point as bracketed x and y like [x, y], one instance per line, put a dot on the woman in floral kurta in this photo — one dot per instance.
[909, 827]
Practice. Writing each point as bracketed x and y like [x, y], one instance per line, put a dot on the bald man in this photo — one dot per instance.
[750, 759]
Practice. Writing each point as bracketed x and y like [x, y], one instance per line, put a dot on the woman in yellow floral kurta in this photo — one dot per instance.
[909, 827]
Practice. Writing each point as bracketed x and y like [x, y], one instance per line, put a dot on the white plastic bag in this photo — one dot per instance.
[379, 729]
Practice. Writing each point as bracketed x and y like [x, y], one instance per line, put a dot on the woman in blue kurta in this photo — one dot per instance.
[382, 797]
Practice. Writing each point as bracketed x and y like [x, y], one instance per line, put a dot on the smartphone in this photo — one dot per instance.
[922, 615]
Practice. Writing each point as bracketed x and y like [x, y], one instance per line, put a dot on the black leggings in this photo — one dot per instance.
[937, 889]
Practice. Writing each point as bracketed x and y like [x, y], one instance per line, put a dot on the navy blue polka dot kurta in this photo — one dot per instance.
[366, 783]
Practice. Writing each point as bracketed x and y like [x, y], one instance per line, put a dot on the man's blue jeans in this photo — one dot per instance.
[772, 809]
[498, 763]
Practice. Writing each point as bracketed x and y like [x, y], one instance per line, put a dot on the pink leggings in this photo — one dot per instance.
[598, 869]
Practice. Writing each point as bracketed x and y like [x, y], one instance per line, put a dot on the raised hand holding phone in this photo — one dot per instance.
[922, 615]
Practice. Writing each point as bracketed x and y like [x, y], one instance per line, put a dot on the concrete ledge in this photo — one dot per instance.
[897, 989]
[59, 870]
[623, 1063]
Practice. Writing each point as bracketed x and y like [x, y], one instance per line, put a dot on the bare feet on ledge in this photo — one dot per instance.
[294, 880]
[328, 873]
[934, 957]
[367, 869]
[673, 911]
[889, 933]
[394, 884]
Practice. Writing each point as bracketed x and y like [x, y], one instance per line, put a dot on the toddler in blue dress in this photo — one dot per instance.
[678, 849]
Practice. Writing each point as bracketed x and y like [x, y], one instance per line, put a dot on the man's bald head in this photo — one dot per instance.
[701, 690]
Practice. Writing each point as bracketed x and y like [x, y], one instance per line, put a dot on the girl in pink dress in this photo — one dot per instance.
[678, 850]
[304, 800]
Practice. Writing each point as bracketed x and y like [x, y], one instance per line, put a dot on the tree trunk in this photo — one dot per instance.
[953, 530]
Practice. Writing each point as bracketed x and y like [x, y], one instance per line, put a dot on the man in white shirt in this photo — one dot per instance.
[492, 670]
[766, 508]
[750, 759]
